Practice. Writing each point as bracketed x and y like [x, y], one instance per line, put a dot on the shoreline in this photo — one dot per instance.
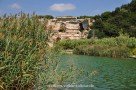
[70, 52]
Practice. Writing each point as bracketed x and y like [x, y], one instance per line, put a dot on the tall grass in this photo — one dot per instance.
[121, 46]
[71, 44]
[26, 61]
[22, 46]
[104, 51]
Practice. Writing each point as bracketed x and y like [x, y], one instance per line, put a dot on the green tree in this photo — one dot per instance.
[123, 18]
[106, 15]
[46, 16]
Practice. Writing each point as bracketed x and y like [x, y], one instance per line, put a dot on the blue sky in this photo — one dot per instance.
[60, 7]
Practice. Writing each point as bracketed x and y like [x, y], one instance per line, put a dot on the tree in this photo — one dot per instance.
[106, 15]
[46, 16]
[132, 6]
[83, 17]
[95, 33]
[123, 18]
[111, 30]
[98, 24]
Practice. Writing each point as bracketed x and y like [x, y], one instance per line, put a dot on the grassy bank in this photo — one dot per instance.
[118, 47]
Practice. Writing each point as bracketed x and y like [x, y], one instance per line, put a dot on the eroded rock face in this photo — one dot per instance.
[69, 27]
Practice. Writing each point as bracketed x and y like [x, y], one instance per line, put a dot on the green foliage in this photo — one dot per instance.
[121, 46]
[90, 34]
[134, 51]
[71, 44]
[26, 61]
[123, 18]
[106, 51]
[83, 17]
[106, 15]
[98, 24]
[22, 48]
[95, 33]
[46, 16]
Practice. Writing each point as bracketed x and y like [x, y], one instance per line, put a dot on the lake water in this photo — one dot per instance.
[107, 73]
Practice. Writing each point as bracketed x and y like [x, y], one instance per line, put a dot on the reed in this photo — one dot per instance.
[122, 46]
[26, 61]
[71, 44]
[103, 51]
[22, 46]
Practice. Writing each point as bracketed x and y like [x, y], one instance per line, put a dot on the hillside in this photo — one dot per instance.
[111, 24]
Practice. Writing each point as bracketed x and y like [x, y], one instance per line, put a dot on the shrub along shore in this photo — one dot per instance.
[118, 47]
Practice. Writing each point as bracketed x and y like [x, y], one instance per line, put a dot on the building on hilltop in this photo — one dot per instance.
[68, 27]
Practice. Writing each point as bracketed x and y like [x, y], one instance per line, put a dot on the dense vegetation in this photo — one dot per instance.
[110, 24]
[45, 16]
[21, 40]
[71, 44]
[26, 61]
[119, 47]
[83, 17]
[117, 28]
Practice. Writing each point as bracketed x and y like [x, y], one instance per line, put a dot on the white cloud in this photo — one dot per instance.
[15, 6]
[62, 7]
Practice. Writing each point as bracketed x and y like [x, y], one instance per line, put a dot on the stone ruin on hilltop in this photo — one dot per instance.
[69, 27]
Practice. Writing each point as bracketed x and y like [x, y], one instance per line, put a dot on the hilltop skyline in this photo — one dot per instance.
[60, 7]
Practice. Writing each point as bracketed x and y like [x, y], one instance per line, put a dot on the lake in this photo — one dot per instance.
[106, 73]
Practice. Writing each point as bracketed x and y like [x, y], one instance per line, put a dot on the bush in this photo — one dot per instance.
[106, 51]
[117, 41]
[71, 44]
[134, 51]
[110, 47]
